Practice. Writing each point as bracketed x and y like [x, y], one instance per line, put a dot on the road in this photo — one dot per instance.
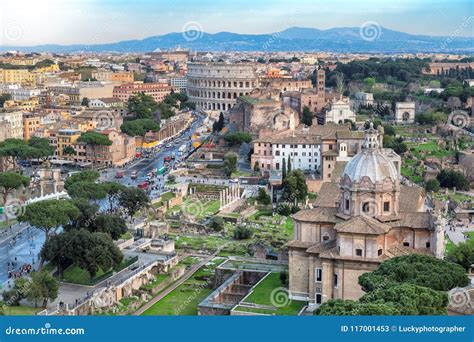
[18, 246]
[146, 165]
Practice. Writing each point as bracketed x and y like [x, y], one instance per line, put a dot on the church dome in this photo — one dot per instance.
[371, 162]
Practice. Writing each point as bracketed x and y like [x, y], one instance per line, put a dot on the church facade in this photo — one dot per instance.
[364, 219]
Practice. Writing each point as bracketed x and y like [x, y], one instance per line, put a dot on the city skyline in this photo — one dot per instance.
[103, 21]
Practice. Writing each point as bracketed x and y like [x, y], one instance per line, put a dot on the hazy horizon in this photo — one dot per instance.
[30, 23]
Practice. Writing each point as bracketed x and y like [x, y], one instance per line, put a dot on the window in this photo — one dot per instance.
[347, 204]
[386, 206]
[358, 252]
[406, 244]
[427, 244]
[325, 237]
[366, 207]
[335, 280]
[379, 252]
[277, 166]
[318, 299]
[319, 274]
[277, 153]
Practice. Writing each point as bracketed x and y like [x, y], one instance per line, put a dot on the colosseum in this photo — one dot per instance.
[216, 86]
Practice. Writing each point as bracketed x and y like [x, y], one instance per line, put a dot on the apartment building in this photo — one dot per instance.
[15, 118]
[156, 90]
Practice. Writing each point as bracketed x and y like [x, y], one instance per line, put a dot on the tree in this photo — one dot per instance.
[89, 251]
[139, 127]
[39, 148]
[283, 277]
[428, 118]
[230, 163]
[132, 200]
[454, 102]
[294, 187]
[284, 209]
[84, 176]
[410, 299]
[389, 130]
[9, 182]
[15, 150]
[396, 144]
[217, 223]
[55, 251]
[432, 185]
[17, 293]
[85, 102]
[114, 225]
[238, 138]
[453, 179]
[49, 214]
[340, 82]
[421, 270]
[113, 190]
[69, 150]
[220, 122]
[307, 116]
[142, 106]
[462, 254]
[283, 168]
[94, 139]
[263, 197]
[340, 307]
[288, 166]
[44, 287]
[243, 233]
[3, 98]
[88, 190]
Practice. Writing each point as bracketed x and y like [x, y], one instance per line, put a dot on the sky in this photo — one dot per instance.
[35, 22]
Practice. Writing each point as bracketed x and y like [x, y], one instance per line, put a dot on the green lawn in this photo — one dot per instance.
[186, 297]
[449, 246]
[77, 275]
[469, 235]
[164, 197]
[159, 278]
[199, 208]
[126, 236]
[20, 310]
[262, 294]
[236, 174]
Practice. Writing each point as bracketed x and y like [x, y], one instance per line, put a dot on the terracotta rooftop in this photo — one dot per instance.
[410, 196]
[362, 225]
[318, 214]
[328, 195]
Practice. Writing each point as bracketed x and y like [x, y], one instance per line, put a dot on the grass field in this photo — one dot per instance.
[186, 297]
[20, 310]
[270, 292]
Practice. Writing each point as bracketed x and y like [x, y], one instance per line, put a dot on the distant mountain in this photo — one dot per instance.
[368, 38]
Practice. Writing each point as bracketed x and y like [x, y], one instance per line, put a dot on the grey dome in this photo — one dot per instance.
[371, 163]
